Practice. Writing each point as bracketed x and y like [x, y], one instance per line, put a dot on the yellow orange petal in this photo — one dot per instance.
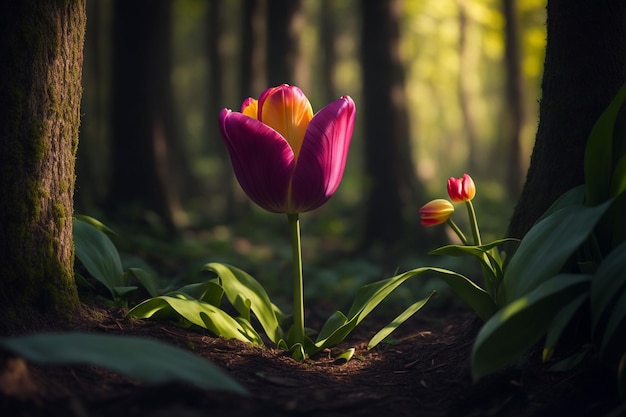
[250, 107]
[286, 110]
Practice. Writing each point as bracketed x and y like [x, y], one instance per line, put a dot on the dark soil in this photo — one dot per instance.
[424, 372]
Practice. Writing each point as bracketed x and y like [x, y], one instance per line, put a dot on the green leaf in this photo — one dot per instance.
[464, 250]
[95, 223]
[404, 316]
[369, 296]
[121, 291]
[98, 254]
[146, 280]
[209, 291]
[609, 283]
[573, 197]
[143, 359]
[245, 294]
[345, 356]
[197, 312]
[599, 153]
[519, 325]
[547, 246]
[615, 327]
[560, 323]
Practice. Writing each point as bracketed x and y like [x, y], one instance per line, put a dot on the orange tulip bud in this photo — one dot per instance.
[436, 212]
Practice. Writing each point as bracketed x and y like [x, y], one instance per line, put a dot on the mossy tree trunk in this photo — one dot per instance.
[40, 90]
[585, 66]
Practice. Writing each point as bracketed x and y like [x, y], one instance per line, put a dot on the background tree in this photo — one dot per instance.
[40, 93]
[142, 112]
[391, 181]
[514, 107]
[284, 26]
[585, 65]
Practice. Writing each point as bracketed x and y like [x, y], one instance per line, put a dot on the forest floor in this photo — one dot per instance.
[423, 371]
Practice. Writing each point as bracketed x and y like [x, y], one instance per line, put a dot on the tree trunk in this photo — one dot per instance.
[40, 92]
[392, 181]
[514, 111]
[284, 26]
[328, 45]
[141, 112]
[585, 66]
[465, 91]
[252, 75]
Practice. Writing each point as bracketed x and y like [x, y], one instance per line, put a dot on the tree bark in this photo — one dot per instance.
[40, 92]
[284, 58]
[585, 65]
[141, 113]
[392, 182]
[465, 90]
[253, 50]
[514, 111]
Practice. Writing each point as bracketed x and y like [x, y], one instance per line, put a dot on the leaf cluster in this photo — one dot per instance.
[571, 264]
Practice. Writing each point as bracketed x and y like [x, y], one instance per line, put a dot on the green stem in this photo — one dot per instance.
[458, 231]
[298, 292]
[489, 284]
[473, 223]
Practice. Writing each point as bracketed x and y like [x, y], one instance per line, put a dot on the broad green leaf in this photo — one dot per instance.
[615, 327]
[146, 280]
[121, 291]
[98, 254]
[519, 325]
[599, 153]
[560, 323]
[209, 291]
[547, 246]
[573, 197]
[95, 223]
[404, 316]
[608, 283]
[245, 294]
[197, 312]
[139, 358]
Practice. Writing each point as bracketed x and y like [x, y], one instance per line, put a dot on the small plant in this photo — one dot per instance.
[572, 262]
[485, 301]
[97, 253]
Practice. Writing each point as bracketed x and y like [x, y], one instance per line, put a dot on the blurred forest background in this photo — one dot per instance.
[442, 87]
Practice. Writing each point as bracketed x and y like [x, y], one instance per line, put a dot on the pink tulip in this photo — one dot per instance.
[461, 189]
[285, 158]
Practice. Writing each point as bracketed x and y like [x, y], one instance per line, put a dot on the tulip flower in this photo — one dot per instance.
[286, 159]
[289, 160]
[461, 189]
[436, 212]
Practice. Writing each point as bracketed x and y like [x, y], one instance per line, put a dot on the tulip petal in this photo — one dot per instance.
[262, 159]
[250, 107]
[287, 110]
[322, 159]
